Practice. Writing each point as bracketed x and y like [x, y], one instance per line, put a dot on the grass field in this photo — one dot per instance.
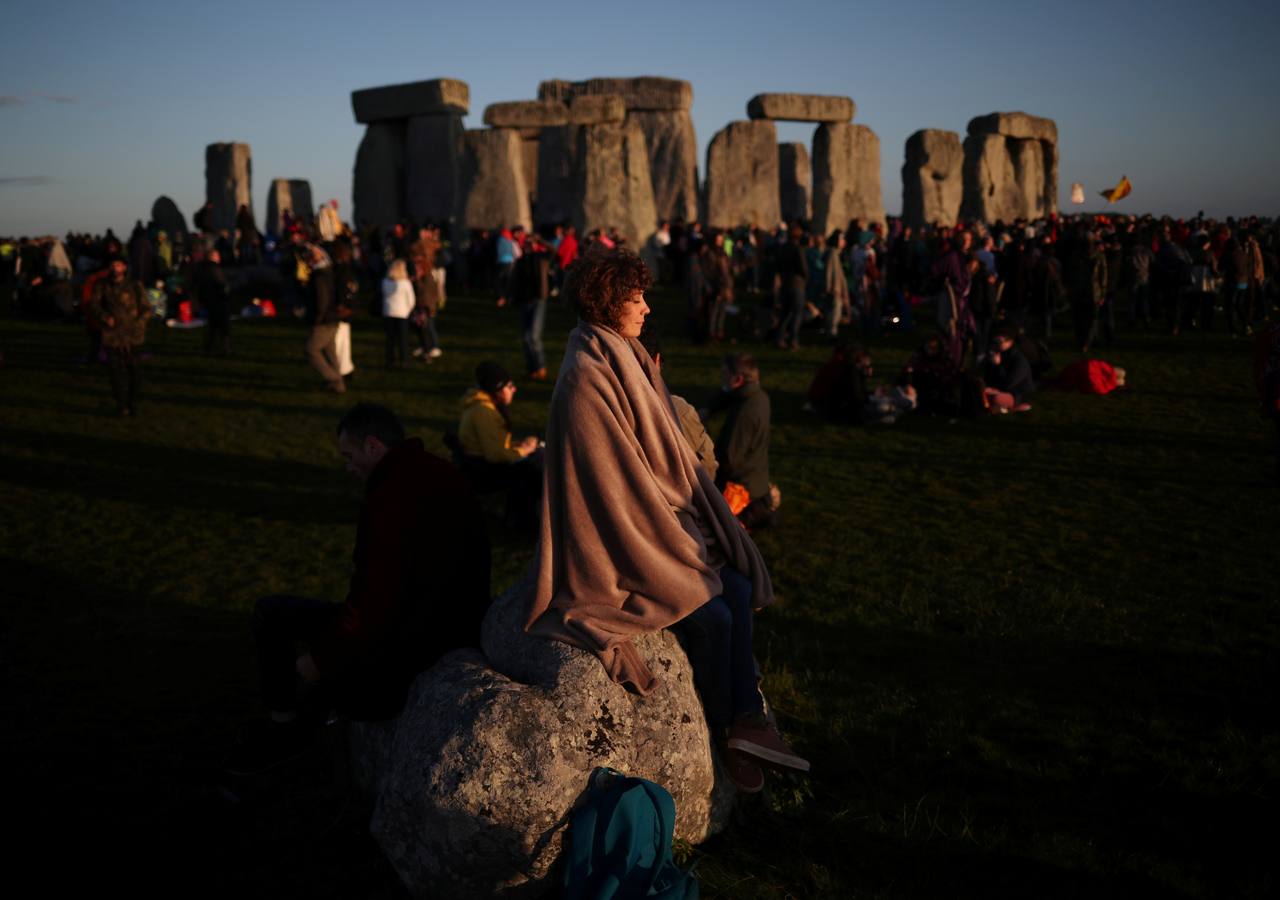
[1031, 656]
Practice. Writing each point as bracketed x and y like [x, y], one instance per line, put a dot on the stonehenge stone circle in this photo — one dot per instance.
[932, 179]
[846, 176]
[169, 219]
[439, 96]
[1010, 167]
[432, 163]
[473, 784]
[801, 108]
[742, 176]
[291, 195]
[660, 106]
[378, 187]
[795, 183]
[492, 190]
[228, 176]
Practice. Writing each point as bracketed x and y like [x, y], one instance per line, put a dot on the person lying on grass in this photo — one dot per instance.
[634, 536]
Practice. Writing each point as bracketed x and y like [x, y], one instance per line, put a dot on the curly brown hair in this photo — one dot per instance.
[601, 280]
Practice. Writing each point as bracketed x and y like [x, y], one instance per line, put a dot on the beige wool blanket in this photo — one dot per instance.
[620, 551]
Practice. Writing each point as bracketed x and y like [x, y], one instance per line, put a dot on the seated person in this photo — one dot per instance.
[935, 377]
[635, 535]
[742, 447]
[690, 423]
[842, 391]
[1007, 377]
[420, 588]
[487, 454]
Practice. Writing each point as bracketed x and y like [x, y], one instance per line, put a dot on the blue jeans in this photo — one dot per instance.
[717, 639]
[533, 316]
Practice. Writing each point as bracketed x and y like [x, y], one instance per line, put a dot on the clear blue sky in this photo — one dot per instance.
[104, 107]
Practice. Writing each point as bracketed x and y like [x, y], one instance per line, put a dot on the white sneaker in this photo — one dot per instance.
[434, 353]
[418, 352]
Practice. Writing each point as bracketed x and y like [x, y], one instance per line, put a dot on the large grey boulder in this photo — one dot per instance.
[432, 167]
[742, 176]
[439, 96]
[291, 195]
[643, 92]
[378, 187]
[597, 176]
[932, 178]
[596, 109]
[558, 181]
[474, 784]
[526, 114]
[492, 191]
[795, 182]
[801, 107]
[1011, 167]
[673, 161]
[169, 219]
[228, 177]
[846, 177]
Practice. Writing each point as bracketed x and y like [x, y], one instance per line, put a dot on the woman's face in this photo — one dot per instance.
[507, 393]
[631, 316]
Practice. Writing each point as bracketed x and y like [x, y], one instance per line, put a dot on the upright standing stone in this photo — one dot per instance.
[433, 161]
[379, 188]
[932, 178]
[846, 177]
[228, 176]
[795, 182]
[558, 183]
[990, 191]
[614, 185]
[169, 219]
[529, 161]
[493, 193]
[742, 176]
[288, 195]
[1010, 167]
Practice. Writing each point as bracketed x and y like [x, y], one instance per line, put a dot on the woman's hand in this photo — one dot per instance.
[527, 446]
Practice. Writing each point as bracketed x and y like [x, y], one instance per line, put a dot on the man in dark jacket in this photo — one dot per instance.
[1007, 376]
[793, 271]
[420, 589]
[321, 349]
[742, 447]
[215, 297]
[120, 306]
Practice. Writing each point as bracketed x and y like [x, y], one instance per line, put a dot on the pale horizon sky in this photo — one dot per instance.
[102, 110]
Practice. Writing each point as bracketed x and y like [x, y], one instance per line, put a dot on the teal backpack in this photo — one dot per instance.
[620, 843]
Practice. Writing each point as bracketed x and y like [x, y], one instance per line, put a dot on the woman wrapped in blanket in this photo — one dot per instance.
[634, 535]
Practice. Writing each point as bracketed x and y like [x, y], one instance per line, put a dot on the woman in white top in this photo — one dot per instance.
[397, 304]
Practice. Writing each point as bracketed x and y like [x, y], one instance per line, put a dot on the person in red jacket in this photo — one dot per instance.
[420, 589]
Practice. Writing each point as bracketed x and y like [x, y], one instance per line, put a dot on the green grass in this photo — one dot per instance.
[1028, 656]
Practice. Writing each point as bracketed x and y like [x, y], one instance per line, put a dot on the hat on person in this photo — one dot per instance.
[490, 377]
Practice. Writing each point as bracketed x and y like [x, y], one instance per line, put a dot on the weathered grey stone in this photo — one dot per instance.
[558, 182]
[291, 195]
[801, 107]
[169, 219]
[475, 782]
[529, 161]
[616, 187]
[526, 114]
[1015, 125]
[432, 167]
[932, 178]
[492, 192]
[439, 96]
[644, 92]
[673, 161]
[378, 186]
[228, 177]
[989, 181]
[795, 182]
[1027, 157]
[742, 176]
[846, 177]
[596, 109]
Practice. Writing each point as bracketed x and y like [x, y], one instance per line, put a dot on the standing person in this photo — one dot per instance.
[121, 306]
[328, 223]
[837, 285]
[1089, 291]
[397, 305]
[215, 297]
[952, 269]
[742, 447]
[247, 240]
[321, 350]
[793, 272]
[427, 293]
[634, 535]
[1140, 259]
[718, 277]
[507, 251]
[531, 285]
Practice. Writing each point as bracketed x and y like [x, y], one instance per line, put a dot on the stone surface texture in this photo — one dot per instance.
[795, 182]
[673, 161]
[642, 92]
[932, 178]
[614, 184]
[432, 167]
[526, 114]
[228, 182]
[473, 785]
[742, 176]
[596, 109]
[1010, 167]
[529, 160]
[169, 219]
[291, 195]
[378, 187]
[493, 193]
[557, 175]
[801, 108]
[846, 177]
[439, 96]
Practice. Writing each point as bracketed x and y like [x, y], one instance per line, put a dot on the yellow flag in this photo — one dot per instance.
[1120, 191]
